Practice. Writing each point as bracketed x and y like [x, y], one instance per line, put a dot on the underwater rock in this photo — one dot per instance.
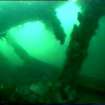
[39, 88]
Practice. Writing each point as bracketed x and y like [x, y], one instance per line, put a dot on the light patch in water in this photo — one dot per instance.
[39, 42]
[67, 14]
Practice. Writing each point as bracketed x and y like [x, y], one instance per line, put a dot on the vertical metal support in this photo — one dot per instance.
[78, 46]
